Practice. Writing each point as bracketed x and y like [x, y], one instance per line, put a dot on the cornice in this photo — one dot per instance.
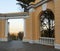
[38, 4]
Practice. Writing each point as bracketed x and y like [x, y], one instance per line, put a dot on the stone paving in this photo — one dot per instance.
[23, 46]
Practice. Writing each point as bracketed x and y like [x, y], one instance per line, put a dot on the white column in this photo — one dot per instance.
[6, 28]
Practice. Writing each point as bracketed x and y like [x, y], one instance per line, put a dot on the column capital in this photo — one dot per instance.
[31, 10]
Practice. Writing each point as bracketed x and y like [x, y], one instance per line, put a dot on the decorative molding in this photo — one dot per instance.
[14, 17]
[14, 14]
[44, 6]
[57, 46]
[26, 40]
[2, 18]
[0, 39]
[3, 39]
[31, 41]
[17, 17]
[38, 4]
[34, 41]
[31, 10]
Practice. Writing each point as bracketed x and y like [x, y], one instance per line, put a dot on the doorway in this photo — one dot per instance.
[16, 29]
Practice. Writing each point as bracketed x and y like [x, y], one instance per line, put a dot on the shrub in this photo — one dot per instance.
[20, 35]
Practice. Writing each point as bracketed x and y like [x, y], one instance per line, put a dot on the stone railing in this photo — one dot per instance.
[46, 41]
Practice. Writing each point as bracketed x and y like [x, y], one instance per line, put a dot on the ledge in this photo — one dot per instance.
[38, 4]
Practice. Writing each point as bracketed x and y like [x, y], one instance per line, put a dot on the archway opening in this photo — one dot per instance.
[16, 29]
[47, 24]
[47, 27]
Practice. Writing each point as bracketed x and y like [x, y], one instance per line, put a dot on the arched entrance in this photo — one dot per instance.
[47, 27]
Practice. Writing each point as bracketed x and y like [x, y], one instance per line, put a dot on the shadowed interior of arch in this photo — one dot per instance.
[47, 23]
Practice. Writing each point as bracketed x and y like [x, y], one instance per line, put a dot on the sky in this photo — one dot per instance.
[16, 25]
[7, 6]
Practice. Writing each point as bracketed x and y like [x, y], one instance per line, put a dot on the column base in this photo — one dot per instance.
[3, 39]
[57, 46]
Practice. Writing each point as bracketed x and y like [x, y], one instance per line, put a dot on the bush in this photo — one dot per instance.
[20, 35]
[13, 37]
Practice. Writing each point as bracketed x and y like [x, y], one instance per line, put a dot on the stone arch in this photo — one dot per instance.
[47, 23]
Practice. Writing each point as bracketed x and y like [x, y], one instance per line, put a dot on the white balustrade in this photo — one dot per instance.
[46, 41]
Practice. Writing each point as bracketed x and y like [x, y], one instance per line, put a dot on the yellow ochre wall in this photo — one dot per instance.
[33, 24]
[2, 28]
[57, 21]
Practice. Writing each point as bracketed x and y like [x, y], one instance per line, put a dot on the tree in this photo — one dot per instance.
[20, 35]
[25, 3]
[47, 25]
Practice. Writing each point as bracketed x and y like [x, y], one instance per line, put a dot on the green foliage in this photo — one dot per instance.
[26, 1]
[13, 37]
[47, 25]
[24, 4]
[20, 35]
